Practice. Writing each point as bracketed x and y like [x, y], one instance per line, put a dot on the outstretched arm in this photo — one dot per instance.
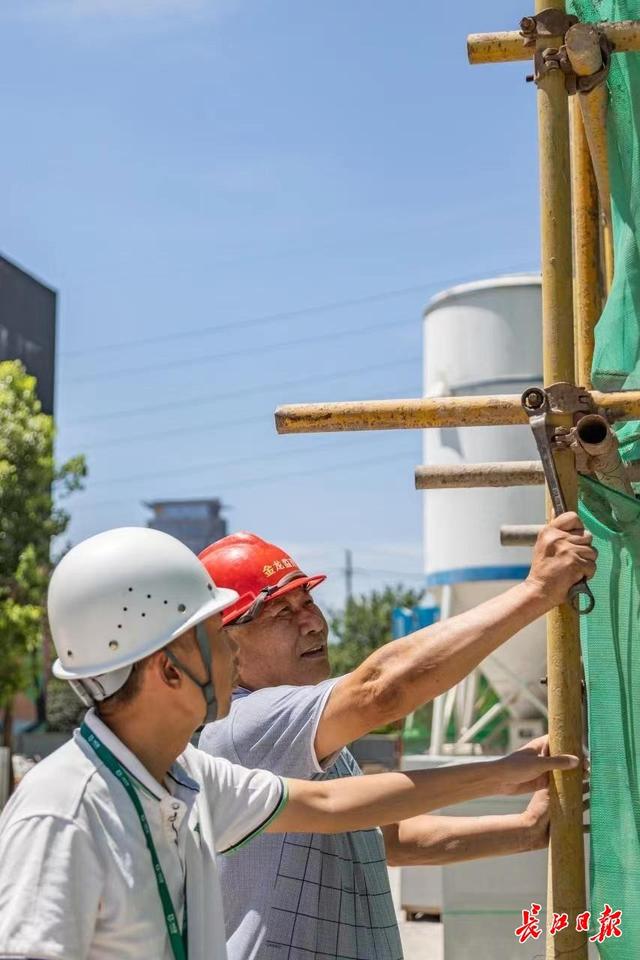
[359, 803]
[433, 839]
[405, 674]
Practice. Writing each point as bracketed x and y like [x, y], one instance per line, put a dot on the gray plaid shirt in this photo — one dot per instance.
[300, 896]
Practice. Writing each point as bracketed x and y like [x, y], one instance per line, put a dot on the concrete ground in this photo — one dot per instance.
[421, 939]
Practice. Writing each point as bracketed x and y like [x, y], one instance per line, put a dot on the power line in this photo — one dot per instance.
[271, 478]
[261, 321]
[282, 315]
[245, 391]
[242, 352]
[205, 428]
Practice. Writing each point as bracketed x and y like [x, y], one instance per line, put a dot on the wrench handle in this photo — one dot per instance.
[577, 591]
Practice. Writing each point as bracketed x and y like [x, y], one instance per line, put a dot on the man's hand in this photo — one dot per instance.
[527, 769]
[562, 556]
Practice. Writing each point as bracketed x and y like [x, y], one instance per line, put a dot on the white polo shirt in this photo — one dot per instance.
[76, 878]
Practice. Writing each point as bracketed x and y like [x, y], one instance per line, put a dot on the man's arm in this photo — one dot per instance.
[432, 839]
[407, 673]
[359, 803]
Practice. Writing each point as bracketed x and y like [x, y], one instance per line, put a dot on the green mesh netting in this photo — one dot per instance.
[612, 670]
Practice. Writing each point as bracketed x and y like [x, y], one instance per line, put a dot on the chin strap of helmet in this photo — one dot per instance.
[207, 688]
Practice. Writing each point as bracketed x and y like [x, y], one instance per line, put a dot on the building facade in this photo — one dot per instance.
[28, 327]
[197, 523]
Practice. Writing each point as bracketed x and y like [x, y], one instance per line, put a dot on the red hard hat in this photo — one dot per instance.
[257, 570]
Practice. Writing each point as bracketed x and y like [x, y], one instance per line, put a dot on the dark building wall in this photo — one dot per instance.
[196, 522]
[28, 327]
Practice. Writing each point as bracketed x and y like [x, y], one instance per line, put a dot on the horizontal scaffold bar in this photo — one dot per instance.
[429, 412]
[508, 46]
[517, 473]
[519, 535]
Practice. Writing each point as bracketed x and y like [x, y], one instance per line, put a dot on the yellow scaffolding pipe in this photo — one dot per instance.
[423, 413]
[508, 46]
[586, 247]
[583, 49]
[566, 881]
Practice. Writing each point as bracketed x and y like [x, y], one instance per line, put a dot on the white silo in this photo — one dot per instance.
[484, 338]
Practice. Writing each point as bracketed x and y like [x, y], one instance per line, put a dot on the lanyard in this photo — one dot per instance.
[178, 941]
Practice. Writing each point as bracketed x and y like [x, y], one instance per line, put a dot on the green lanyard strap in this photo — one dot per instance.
[177, 940]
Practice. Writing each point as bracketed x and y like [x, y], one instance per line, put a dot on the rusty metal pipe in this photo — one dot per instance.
[519, 535]
[586, 246]
[582, 43]
[507, 46]
[518, 473]
[600, 444]
[429, 412]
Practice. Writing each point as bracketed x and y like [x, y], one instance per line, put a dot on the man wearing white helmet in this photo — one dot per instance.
[107, 848]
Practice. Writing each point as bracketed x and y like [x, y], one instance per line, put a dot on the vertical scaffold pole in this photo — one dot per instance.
[586, 247]
[566, 849]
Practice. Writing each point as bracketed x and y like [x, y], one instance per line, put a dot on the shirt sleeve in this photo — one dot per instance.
[50, 889]
[275, 729]
[242, 802]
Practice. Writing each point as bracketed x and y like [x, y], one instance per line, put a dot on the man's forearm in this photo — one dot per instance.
[416, 669]
[359, 803]
[430, 840]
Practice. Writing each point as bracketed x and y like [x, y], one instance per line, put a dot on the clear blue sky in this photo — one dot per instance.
[172, 166]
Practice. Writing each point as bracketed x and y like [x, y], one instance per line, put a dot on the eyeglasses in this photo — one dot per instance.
[266, 592]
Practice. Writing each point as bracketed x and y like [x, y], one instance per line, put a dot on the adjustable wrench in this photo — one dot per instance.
[535, 402]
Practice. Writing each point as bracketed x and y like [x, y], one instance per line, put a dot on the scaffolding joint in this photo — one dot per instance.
[548, 23]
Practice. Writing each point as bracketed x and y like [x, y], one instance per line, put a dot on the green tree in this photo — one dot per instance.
[365, 624]
[31, 488]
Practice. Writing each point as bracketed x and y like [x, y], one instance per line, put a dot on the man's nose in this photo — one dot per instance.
[310, 620]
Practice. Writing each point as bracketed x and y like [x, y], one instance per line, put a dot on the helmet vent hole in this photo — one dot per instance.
[166, 601]
[130, 589]
[181, 608]
[143, 614]
[119, 626]
[209, 587]
[125, 609]
[69, 653]
[113, 645]
[148, 596]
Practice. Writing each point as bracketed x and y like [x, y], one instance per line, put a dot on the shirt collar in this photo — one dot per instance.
[131, 762]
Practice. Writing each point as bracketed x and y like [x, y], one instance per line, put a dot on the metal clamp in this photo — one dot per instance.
[548, 23]
[536, 404]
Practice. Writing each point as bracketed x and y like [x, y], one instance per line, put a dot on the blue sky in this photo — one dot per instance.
[303, 177]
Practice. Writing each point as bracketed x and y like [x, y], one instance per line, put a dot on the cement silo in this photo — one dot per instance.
[484, 338]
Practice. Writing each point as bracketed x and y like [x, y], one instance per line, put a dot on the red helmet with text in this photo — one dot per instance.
[258, 571]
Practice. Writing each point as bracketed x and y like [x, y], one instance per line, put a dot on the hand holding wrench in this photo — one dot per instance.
[535, 402]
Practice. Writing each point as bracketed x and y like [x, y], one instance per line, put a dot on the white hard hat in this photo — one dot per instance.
[120, 596]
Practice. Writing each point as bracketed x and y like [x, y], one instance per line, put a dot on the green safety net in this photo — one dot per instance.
[609, 634]
[611, 657]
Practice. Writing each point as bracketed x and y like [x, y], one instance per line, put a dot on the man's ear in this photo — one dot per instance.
[166, 671]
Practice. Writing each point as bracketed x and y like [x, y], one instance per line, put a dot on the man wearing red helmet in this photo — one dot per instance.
[310, 896]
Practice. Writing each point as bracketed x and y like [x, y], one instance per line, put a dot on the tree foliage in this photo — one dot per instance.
[31, 488]
[365, 624]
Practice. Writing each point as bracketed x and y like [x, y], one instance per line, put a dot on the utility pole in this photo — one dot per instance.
[348, 575]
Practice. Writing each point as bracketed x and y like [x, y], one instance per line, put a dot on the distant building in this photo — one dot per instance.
[196, 522]
[28, 327]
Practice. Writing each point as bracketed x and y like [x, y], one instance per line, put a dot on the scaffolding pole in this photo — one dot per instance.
[566, 878]
[432, 412]
[508, 46]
